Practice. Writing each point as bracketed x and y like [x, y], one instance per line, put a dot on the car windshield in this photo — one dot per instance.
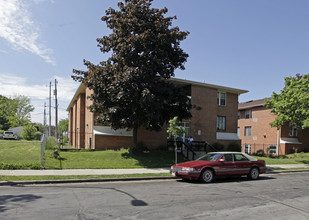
[210, 157]
[8, 132]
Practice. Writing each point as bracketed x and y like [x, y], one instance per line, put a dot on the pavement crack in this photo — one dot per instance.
[284, 204]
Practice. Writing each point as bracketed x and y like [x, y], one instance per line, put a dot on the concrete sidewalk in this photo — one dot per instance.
[68, 172]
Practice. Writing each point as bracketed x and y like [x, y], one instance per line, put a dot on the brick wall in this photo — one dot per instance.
[261, 131]
[152, 139]
[263, 135]
[203, 124]
[105, 142]
[205, 120]
[89, 138]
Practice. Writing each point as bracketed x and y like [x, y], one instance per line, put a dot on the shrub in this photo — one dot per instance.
[37, 136]
[65, 140]
[234, 147]
[140, 148]
[28, 132]
[302, 155]
[218, 146]
[260, 153]
[51, 143]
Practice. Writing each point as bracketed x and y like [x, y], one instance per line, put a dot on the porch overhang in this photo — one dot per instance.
[106, 130]
[289, 141]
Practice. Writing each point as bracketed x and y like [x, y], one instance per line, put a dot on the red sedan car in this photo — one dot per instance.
[220, 164]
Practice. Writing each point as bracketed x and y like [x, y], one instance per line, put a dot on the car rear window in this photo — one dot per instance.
[8, 132]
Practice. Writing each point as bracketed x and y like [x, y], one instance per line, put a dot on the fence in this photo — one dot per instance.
[43, 144]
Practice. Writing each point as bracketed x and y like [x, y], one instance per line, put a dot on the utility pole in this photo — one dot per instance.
[44, 115]
[49, 130]
[56, 107]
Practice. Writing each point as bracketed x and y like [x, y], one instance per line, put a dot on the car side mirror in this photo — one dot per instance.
[221, 160]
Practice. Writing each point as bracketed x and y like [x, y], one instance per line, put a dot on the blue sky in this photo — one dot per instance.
[245, 44]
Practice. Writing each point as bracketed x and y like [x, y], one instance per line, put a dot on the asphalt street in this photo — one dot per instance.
[273, 196]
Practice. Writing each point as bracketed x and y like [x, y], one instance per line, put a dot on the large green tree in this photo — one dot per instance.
[131, 88]
[15, 111]
[4, 105]
[292, 104]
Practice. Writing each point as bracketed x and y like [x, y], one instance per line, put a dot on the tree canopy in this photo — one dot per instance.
[15, 111]
[64, 125]
[131, 88]
[292, 104]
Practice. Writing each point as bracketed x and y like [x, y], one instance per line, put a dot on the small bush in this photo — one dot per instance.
[140, 148]
[234, 147]
[28, 132]
[37, 136]
[51, 143]
[218, 146]
[260, 153]
[274, 156]
[65, 140]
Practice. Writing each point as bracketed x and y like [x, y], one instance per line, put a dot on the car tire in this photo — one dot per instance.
[207, 176]
[254, 173]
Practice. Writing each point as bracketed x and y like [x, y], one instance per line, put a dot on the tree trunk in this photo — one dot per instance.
[135, 136]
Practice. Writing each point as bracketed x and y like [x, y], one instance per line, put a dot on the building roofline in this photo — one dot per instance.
[82, 88]
[251, 104]
[223, 88]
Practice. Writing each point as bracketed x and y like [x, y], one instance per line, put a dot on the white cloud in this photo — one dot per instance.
[17, 27]
[11, 85]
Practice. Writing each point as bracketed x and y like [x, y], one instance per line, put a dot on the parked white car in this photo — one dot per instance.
[9, 135]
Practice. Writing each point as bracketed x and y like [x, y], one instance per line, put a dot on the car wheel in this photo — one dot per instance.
[207, 176]
[254, 173]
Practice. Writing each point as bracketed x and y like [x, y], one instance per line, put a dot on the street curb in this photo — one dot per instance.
[33, 182]
[287, 171]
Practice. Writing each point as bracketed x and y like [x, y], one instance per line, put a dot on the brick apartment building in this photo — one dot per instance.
[216, 121]
[256, 133]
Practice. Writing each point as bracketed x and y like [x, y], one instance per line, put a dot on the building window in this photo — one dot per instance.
[248, 148]
[238, 131]
[248, 113]
[238, 114]
[272, 149]
[247, 131]
[221, 98]
[293, 131]
[221, 121]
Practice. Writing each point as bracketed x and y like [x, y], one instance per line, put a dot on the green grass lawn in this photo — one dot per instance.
[110, 159]
[20, 152]
[299, 159]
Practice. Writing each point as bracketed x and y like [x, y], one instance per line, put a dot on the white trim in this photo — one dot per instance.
[106, 130]
[289, 141]
[227, 136]
[219, 94]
